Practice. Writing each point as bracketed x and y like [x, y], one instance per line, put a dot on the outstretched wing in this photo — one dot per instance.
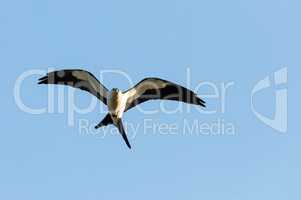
[78, 79]
[155, 88]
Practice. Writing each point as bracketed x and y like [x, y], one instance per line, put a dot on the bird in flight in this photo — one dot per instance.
[117, 101]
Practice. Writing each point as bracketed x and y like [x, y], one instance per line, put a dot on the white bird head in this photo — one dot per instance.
[115, 90]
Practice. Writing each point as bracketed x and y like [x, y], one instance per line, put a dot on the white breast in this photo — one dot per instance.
[116, 104]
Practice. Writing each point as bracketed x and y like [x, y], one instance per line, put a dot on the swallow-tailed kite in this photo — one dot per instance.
[117, 101]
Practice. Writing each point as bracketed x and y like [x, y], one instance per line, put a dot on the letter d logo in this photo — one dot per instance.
[279, 121]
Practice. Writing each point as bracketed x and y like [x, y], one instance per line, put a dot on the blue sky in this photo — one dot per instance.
[239, 42]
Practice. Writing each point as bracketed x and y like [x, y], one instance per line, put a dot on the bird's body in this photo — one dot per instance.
[117, 101]
[116, 104]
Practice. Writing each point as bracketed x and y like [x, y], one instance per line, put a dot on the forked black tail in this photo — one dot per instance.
[106, 121]
[122, 132]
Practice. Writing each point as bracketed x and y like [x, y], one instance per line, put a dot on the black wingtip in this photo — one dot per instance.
[43, 80]
[201, 102]
[203, 105]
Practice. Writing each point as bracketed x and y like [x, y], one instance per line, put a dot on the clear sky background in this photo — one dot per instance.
[41, 157]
